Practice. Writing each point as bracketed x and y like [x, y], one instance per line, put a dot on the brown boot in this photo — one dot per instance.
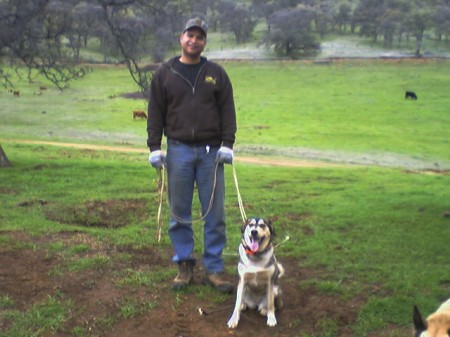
[185, 275]
[217, 281]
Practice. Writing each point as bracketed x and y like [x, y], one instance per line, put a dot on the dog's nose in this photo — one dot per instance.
[254, 232]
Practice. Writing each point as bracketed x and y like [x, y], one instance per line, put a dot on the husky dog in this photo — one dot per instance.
[259, 272]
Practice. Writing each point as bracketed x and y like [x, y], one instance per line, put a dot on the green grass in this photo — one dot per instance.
[6, 301]
[133, 277]
[90, 111]
[347, 106]
[131, 308]
[47, 317]
[357, 108]
[372, 230]
[374, 233]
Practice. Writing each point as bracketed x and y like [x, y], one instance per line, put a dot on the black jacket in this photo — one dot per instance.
[199, 114]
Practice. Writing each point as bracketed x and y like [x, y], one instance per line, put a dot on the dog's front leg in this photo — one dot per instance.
[234, 320]
[271, 319]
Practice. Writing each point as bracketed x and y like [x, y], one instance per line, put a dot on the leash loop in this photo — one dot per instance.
[161, 187]
[211, 202]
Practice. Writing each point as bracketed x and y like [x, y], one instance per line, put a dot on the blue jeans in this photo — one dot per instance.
[188, 166]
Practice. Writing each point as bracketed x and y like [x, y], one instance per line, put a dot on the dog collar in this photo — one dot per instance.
[248, 251]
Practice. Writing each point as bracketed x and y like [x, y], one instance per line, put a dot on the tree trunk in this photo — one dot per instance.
[4, 162]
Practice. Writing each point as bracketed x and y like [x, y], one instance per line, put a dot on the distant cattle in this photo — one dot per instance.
[16, 93]
[42, 88]
[410, 95]
[139, 114]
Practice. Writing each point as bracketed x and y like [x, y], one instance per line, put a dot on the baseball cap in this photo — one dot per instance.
[196, 23]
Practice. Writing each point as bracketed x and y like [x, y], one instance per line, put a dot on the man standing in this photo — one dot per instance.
[191, 103]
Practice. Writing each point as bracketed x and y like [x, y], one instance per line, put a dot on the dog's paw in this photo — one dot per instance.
[233, 322]
[271, 320]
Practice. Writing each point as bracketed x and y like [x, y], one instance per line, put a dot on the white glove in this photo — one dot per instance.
[157, 159]
[224, 155]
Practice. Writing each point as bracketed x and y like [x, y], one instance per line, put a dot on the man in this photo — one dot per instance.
[191, 103]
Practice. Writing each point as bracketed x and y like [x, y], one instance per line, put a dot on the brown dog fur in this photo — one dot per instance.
[438, 323]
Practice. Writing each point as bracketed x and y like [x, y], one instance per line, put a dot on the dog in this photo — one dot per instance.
[410, 95]
[259, 273]
[436, 325]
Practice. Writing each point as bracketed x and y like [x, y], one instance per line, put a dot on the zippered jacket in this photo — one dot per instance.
[202, 114]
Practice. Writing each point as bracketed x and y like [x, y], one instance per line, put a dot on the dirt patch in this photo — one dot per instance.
[128, 293]
[429, 172]
[133, 95]
[4, 190]
[32, 269]
[30, 276]
[107, 214]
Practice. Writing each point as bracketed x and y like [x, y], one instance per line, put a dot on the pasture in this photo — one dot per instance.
[350, 109]
[368, 234]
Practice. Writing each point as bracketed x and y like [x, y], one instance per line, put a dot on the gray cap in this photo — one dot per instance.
[196, 23]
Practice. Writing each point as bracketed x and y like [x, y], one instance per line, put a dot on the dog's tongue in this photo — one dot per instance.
[254, 245]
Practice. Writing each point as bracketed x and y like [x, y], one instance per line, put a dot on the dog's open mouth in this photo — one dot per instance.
[254, 243]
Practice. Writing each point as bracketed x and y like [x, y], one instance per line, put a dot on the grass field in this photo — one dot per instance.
[354, 108]
[78, 253]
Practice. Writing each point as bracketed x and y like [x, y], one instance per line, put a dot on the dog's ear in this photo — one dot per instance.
[271, 228]
[419, 324]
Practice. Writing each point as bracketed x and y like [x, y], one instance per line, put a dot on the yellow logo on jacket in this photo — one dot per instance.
[210, 80]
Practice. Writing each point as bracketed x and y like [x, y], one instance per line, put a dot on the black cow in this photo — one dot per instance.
[410, 95]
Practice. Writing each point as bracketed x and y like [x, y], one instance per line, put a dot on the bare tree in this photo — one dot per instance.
[142, 28]
[31, 35]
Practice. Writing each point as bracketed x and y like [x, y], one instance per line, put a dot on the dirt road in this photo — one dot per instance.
[257, 160]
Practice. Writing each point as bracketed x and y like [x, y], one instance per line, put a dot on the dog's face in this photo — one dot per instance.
[257, 234]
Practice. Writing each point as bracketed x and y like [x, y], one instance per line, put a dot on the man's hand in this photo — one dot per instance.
[224, 155]
[157, 159]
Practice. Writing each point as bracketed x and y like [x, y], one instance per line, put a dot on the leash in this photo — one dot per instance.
[287, 238]
[241, 205]
[211, 202]
[161, 186]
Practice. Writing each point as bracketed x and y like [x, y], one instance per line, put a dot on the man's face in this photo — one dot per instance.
[193, 42]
